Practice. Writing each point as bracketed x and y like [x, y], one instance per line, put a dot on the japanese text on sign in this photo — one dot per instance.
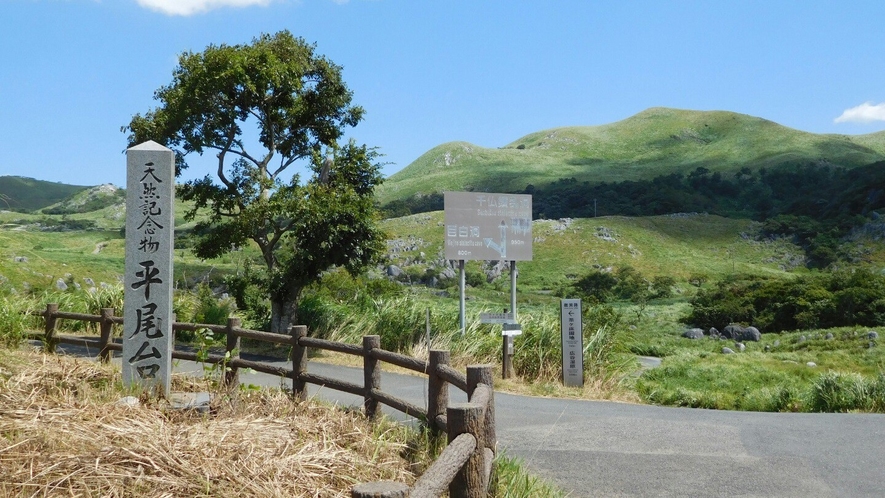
[482, 226]
[147, 310]
[572, 343]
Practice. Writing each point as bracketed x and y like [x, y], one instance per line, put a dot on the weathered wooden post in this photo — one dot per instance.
[469, 482]
[299, 361]
[49, 338]
[482, 374]
[106, 326]
[371, 374]
[147, 303]
[437, 388]
[507, 356]
[232, 351]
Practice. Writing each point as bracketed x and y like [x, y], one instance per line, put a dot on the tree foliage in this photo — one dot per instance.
[840, 298]
[624, 283]
[296, 107]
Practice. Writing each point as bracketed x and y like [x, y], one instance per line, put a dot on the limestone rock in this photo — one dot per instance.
[693, 334]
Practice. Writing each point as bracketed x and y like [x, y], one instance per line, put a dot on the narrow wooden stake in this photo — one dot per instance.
[437, 388]
[381, 489]
[371, 374]
[482, 374]
[469, 482]
[299, 361]
[232, 351]
[507, 358]
[50, 340]
[106, 326]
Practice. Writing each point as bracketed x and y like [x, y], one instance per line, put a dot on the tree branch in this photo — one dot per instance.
[285, 163]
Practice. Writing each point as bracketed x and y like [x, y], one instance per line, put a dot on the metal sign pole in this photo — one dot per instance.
[513, 275]
[461, 286]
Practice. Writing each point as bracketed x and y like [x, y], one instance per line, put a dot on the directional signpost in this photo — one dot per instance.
[499, 318]
[490, 227]
[481, 226]
[572, 343]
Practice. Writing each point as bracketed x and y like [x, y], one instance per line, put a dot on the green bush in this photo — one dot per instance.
[14, 319]
[662, 287]
[625, 283]
[596, 286]
[840, 392]
[835, 299]
[201, 307]
[877, 394]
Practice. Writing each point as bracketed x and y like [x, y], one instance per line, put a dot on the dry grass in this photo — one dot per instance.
[64, 433]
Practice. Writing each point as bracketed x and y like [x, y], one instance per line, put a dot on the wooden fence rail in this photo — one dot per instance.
[463, 467]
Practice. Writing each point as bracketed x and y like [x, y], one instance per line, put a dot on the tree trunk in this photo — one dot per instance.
[282, 312]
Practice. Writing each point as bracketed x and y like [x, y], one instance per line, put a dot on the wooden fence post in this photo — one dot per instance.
[49, 338]
[381, 489]
[299, 361]
[232, 351]
[106, 326]
[482, 374]
[437, 388]
[371, 374]
[507, 358]
[469, 482]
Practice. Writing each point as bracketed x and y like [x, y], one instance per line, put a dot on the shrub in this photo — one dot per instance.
[698, 279]
[840, 392]
[596, 286]
[662, 287]
[841, 298]
[14, 319]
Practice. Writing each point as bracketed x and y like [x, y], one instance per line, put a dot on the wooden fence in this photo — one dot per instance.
[463, 467]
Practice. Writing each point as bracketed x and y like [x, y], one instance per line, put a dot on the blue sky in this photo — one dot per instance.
[487, 72]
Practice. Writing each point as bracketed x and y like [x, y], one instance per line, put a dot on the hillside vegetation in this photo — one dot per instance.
[675, 245]
[653, 143]
[27, 194]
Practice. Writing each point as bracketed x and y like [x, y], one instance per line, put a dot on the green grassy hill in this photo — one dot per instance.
[653, 143]
[28, 194]
[88, 200]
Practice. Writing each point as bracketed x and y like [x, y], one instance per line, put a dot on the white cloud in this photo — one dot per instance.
[191, 7]
[864, 113]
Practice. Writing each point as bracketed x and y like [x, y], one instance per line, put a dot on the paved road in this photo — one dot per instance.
[614, 449]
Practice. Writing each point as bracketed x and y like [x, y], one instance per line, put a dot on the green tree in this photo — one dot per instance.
[596, 285]
[296, 104]
[663, 286]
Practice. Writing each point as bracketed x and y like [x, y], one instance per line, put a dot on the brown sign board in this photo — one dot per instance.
[488, 227]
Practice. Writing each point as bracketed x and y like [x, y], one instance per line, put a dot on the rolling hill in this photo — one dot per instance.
[28, 194]
[653, 143]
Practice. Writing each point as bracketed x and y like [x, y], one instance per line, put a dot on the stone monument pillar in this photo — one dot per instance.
[147, 307]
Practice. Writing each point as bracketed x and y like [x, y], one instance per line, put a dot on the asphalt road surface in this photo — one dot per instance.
[592, 448]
